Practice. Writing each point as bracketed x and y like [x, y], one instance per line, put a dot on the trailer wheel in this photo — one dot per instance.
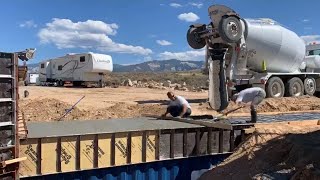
[60, 83]
[294, 87]
[310, 86]
[230, 29]
[275, 87]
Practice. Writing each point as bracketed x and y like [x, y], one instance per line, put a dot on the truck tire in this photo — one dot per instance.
[275, 87]
[294, 87]
[310, 86]
[230, 29]
[193, 39]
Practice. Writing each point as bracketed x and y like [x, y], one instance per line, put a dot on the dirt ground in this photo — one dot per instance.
[274, 151]
[50, 103]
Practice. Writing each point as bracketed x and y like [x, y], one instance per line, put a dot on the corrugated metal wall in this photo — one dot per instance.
[183, 168]
[9, 142]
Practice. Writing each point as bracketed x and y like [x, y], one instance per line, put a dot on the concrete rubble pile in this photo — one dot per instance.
[167, 85]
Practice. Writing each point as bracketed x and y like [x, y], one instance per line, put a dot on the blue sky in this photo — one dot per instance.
[133, 31]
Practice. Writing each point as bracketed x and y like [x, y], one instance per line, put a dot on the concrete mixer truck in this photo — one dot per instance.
[242, 53]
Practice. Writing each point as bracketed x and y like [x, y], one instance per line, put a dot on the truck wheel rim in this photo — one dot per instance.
[310, 85]
[233, 29]
[276, 89]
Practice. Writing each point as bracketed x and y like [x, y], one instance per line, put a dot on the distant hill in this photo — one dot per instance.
[149, 66]
[160, 66]
[33, 68]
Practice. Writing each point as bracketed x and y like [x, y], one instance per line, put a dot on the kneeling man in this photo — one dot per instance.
[178, 106]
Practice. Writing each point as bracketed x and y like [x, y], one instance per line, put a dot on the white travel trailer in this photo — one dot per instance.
[32, 78]
[78, 69]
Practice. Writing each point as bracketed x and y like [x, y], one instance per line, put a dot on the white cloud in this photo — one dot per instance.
[186, 55]
[175, 5]
[28, 24]
[188, 17]
[88, 34]
[305, 20]
[152, 36]
[198, 5]
[310, 38]
[164, 42]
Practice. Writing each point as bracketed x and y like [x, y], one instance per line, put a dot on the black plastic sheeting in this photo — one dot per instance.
[242, 120]
[278, 118]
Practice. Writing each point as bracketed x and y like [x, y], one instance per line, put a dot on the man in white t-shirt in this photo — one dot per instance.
[254, 96]
[178, 106]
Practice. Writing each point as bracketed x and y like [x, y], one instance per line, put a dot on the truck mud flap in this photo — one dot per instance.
[218, 94]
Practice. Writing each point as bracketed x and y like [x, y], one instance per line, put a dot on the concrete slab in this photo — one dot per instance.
[66, 128]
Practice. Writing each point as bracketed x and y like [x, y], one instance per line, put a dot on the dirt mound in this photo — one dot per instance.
[52, 109]
[275, 151]
[48, 110]
[124, 110]
[285, 104]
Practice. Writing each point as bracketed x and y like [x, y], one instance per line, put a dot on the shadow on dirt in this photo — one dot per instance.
[165, 102]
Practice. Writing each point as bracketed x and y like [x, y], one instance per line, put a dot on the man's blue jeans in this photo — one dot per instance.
[177, 110]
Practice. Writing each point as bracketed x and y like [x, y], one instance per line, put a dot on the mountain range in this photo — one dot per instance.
[149, 66]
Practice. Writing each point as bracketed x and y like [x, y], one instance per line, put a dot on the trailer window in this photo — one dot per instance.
[60, 67]
[42, 66]
[82, 58]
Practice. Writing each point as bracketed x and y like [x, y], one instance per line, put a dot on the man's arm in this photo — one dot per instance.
[184, 110]
[166, 113]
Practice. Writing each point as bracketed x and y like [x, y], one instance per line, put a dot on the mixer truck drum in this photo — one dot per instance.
[194, 39]
[230, 29]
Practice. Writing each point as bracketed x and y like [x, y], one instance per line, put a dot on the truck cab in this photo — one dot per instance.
[312, 49]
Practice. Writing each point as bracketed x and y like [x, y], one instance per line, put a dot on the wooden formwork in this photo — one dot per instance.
[70, 153]
[56, 154]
